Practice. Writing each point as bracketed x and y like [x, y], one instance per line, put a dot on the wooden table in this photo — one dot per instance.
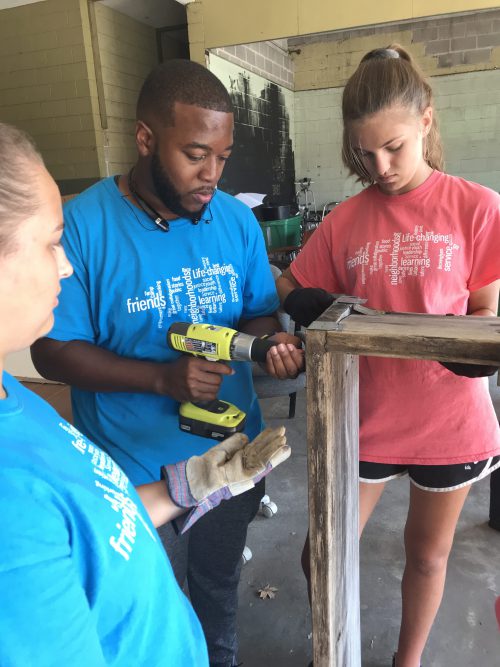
[332, 433]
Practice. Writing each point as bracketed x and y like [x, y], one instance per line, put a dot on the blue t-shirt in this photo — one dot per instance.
[84, 580]
[131, 281]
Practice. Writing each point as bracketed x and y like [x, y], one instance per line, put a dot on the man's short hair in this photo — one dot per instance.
[180, 81]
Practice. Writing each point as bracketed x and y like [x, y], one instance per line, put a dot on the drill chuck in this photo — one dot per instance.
[249, 348]
[217, 343]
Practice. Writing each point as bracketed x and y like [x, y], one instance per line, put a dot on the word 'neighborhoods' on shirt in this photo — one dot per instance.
[208, 287]
[404, 255]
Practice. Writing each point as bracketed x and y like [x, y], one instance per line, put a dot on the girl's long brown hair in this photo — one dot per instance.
[386, 78]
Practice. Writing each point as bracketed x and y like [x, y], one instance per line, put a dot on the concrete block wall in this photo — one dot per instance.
[196, 32]
[45, 83]
[128, 51]
[262, 159]
[269, 60]
[48, 85]
[318, 141]
[468, 107]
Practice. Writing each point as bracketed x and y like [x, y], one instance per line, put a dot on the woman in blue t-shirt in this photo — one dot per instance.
[84, 580]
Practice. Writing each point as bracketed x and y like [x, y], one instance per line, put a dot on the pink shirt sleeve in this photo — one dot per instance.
[486, 253]
[315, 266]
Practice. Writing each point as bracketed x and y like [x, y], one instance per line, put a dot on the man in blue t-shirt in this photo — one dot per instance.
[151, 247]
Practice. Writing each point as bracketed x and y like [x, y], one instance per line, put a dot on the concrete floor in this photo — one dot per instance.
[277, 632]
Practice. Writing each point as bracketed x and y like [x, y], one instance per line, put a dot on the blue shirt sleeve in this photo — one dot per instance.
[46, 618]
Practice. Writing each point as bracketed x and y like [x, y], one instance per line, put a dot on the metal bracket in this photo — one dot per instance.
[343, 306]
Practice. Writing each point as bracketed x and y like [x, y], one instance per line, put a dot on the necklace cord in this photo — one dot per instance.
[152, 213]
[146, 207]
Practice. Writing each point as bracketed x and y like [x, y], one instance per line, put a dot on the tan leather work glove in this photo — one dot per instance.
[226, 470]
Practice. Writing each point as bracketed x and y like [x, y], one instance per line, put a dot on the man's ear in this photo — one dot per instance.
[144, 139]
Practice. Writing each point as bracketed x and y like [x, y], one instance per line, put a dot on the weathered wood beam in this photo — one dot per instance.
[332, 428]
[437, 337]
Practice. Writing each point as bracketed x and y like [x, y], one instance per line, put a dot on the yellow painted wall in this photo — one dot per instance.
[48, 84]
[215, 23]
[128, 52]
[45, 83]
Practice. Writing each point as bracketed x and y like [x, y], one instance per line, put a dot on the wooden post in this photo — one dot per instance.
[332, 433]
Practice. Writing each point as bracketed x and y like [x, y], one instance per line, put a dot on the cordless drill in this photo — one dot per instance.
[214, 419]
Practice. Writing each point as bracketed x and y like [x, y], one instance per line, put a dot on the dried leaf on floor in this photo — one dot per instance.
[267, 592]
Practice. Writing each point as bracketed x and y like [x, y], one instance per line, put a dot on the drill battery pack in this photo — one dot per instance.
[214, 419]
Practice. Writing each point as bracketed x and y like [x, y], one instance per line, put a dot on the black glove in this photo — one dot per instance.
[306, 304]
[469, 370]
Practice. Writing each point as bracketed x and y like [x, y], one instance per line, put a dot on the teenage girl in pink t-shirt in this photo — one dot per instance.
[414, 240]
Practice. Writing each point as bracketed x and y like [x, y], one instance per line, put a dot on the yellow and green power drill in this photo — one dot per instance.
[214, 419]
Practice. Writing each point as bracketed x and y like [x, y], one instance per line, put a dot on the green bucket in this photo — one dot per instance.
[281, 233]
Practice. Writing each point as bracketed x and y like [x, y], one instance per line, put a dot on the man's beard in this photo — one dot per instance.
[167, 193]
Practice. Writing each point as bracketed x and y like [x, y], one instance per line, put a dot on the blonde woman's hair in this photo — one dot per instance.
[385, 78]
[19, 198]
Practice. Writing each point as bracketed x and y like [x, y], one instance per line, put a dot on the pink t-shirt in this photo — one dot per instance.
[423, 252]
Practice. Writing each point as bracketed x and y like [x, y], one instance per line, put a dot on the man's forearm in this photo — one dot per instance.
[260, 326]
[92, 368]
